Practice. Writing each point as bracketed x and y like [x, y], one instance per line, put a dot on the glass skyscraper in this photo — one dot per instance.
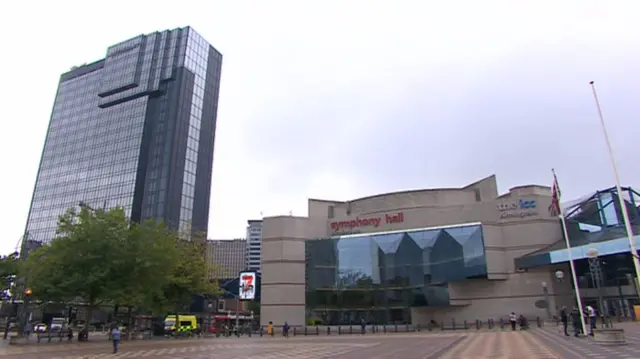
[135, 129]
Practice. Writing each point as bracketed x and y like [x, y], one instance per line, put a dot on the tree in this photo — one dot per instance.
[9, 266]
[189, 275]
[100, 257]
[144, 266]
[83, 261]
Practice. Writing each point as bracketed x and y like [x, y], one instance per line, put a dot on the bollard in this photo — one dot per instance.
[294, 331]
[317, 330]
[501, 324]
[477, 324]
[305, 331]
[539, 322]
[339, 329]
[350, 329]
[466, 327]
[328, 330]
[453, 323]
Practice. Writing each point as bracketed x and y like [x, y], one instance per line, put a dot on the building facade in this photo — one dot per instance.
[595, 225]
[135, 129]
[409, 257]
[254, 245]
[226, 257]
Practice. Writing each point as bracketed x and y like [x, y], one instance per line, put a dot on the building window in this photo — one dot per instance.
[379, 277]
[221, 305]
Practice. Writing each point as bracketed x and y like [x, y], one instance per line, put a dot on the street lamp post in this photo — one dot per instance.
[24, 319]
[596, 275]
[623, 206]
[545, 291]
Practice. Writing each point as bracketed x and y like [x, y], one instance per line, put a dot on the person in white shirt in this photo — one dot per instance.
[513, 319]
[591, 313]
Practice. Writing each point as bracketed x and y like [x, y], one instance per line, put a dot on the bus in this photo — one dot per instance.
[218, 322]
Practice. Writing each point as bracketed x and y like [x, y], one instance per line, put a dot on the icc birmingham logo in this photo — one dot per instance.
[514, 206]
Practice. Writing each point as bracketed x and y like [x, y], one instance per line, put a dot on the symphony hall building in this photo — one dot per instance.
[418, 256]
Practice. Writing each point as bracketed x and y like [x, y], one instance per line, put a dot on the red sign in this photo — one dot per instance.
[366, 222]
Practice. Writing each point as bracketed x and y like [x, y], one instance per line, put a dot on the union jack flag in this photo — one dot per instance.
[554, 208]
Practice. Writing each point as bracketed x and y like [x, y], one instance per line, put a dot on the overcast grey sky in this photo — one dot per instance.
[342, 99]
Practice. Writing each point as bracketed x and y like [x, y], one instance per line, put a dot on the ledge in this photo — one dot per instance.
[609, 337]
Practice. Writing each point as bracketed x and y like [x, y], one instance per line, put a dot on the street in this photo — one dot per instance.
[545, 343]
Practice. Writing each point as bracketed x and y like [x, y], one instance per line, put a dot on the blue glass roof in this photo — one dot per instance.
[593, 221]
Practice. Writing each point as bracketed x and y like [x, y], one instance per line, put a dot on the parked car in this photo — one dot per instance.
[40, 328]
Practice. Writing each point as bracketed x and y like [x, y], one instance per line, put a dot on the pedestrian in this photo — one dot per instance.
[28, 329]
[513, 318]
[285, 329]
[270, 328]
[576, 321]
[524, 324]
[591, 313]
[564, 318]
[115, 338]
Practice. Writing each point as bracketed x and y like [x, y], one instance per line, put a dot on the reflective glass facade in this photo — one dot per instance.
[135, 129]
[594, 221]
[378, 277]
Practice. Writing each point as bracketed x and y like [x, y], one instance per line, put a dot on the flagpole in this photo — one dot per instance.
[574, 277]
[623, 206]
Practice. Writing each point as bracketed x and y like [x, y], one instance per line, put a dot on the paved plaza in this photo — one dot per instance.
[546, 343]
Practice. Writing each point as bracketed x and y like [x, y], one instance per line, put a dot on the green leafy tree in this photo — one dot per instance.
[9, 266]
[83, 260]
[144, 266]
[189, 276]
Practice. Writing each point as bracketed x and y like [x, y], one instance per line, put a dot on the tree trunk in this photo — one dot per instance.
[129, 323]
[88, 318]
[177, 334]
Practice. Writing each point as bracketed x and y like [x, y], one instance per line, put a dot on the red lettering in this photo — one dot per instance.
[366, 222]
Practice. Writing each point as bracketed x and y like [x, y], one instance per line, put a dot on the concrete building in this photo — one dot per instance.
[254, 245]
[226, 257]
[416, 256]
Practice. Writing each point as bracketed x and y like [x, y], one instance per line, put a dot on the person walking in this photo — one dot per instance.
[270, 329]
[591, 313]
[115, 338]
[564, 318]
[576, 321]
[513, 318]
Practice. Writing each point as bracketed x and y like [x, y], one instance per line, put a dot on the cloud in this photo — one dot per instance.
[338, 100]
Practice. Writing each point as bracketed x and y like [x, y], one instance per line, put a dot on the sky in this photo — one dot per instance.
[344, 99]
